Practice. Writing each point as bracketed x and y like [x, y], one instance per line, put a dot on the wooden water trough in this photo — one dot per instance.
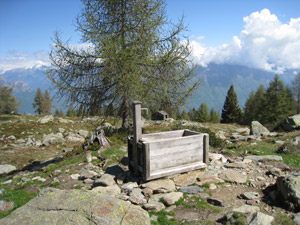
[162, 154]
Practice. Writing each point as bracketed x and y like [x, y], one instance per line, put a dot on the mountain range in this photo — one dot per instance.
[216, 80]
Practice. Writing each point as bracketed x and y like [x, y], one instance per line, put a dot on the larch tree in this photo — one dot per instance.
[278, 102]
[38, 101]
[214, 116]
[231, 112]
[8, 103]
[135, 53]
[202, 114]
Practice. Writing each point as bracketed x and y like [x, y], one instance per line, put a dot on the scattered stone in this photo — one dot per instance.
[86, 173]
[221, 135]
[1, 191]
[247, 209]
[213, 157]
[136, 197]
[61, 130]
[216, 202]
[7, 181]
[83, 133]
[185, 179]
[75, 138]
[62, 120]
[6, 169]
[39, 179]
[191, 189]
[172, 197]
[212, 187]
[75, 176]
[291, 123]
[250, 195]
[11, 137]
[147, 192]
[251, 202]
[259, 178]
[112, 191]
[257, 129]
[296, 219]
[289, 189]
[208, 179]
[55, 206]
[52, 139]
[105, 180]
[128, 187]
[259, 158]
[160, 186]
[154, 206]
[88, 181]
[239, 165]
[88, 157]
[234, 177]
[259, 218]
[46, 119]
[5, 206]
[275, 171]
[244, 131]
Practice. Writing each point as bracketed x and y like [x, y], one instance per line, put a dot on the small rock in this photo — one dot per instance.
[161, 186]
[88, 157]
[296, 219]
[1, 191]
[215, 202]
[105, 180]
[217, 157]
[185, 179]
[39, 179]
[246, 209]
[46, 119]
[172, 197]
[7, 181]
[240, 165]
[128, 187]
[261, 218]
[61, 130]
[259, 158]
[136, 197]
[11, 137]
[259, 178]
[234, 176]
[250, 202]
[25, 179]
[6, 168]
[212, 187]
[147, 192]
[75, 176]
[158, 206]
[5, 206]
[113, 190]
[191, 189]
[250, 195]
[83, 133]
[88, 181]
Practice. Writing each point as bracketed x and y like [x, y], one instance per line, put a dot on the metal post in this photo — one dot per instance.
[137, 132]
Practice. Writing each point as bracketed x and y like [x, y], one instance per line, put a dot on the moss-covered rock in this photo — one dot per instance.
[55, 206]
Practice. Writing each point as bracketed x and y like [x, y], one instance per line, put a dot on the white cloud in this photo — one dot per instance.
[16, 59]
[265, 43]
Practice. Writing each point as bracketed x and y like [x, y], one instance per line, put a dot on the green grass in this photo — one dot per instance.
[265, 148]
[196, 202]
[19, 197]
[282, 220]
[162, 218]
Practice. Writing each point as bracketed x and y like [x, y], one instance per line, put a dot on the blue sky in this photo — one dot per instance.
[232, 31]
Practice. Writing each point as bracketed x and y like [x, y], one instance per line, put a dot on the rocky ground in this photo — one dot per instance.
[254, 179]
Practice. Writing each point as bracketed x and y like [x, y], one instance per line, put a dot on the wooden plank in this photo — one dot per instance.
[162, 135]
[206, 149]
[176, 170]
[146, 164]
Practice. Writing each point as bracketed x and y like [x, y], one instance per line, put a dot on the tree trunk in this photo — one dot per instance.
[125, 114]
